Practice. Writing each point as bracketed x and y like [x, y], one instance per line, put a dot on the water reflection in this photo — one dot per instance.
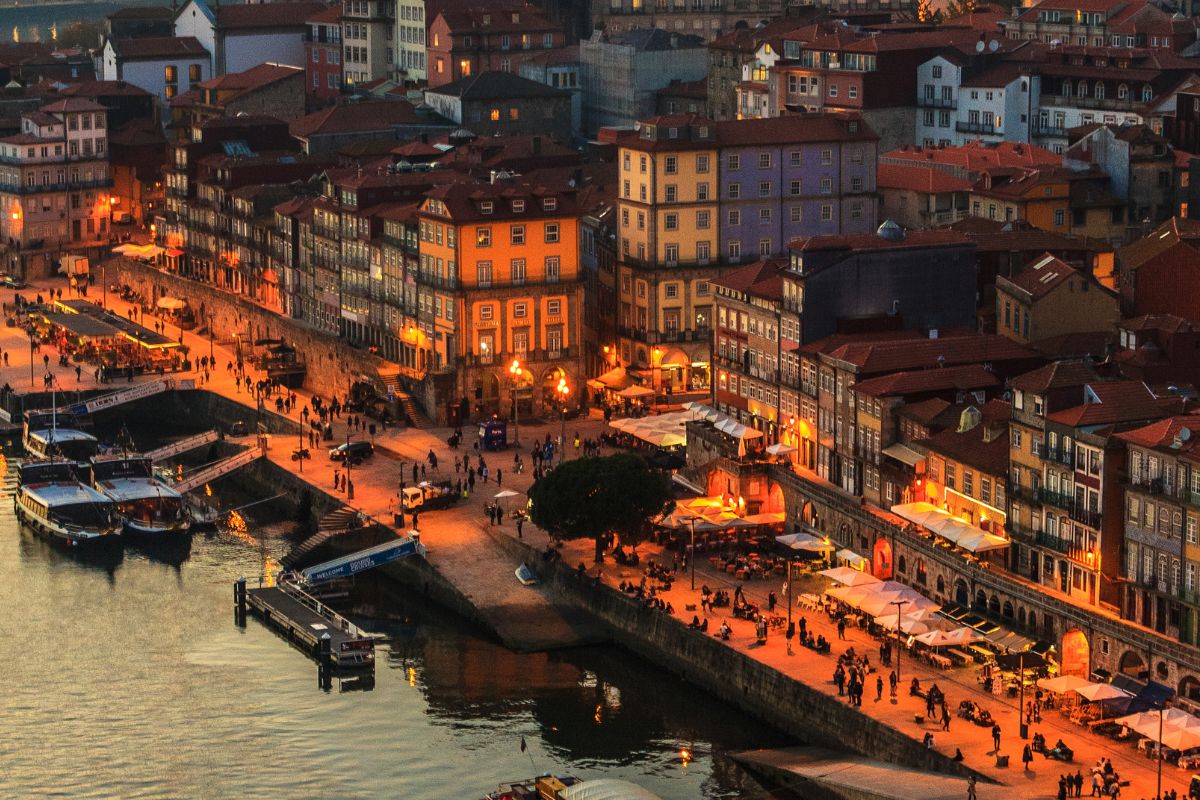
[102, 559]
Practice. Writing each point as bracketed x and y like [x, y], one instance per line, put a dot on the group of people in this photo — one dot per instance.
[849, 676]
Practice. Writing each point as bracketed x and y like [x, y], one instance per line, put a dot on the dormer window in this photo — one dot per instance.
[672, 133]
[549, 203]
[486, 207]
[703, 132]
[518, 206]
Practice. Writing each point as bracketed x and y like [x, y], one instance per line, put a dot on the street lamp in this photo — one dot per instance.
[210, 342]
[899, 645]
[692, 556]
[562, 390]
[656, 366]
[514, 369]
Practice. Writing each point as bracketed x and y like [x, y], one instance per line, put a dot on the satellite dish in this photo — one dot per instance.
[979, 47]
[993, 45]
[1185, 434]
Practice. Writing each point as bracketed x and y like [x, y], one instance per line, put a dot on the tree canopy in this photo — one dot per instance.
[592, 497]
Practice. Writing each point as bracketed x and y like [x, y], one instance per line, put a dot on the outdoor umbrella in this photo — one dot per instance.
[504, 494]
[1101, 691]
[1144, 722]
[934, 638]
[804, 541]
[1027, 660]
[780, 449]
[1179, 738]
[963, 635]
[849, 576]
[1062, 684]
[171, 303]
[634, 392]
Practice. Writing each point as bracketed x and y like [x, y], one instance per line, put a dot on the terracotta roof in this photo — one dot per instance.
[794, 129]
[761, 278]
[970, 447]
[1164, 323]
[327, 15]
[415, 149]
[496, 86]
[250, 80]
[1019, 236]
[356, 118]
[1168, 435]
[998, 76]
[747, 40]
[1175, 241]
[529, 19]
[1056, 375]
[976, 156]
[158, 47]
[266, 15]
[103, 89]
[1116, 401]
[464, 200]
[919, 179]
[925, 412]
[963, 378]
[71, 104]
[1081, 344]
[1039, 278]
[874, 358]
[859, 242]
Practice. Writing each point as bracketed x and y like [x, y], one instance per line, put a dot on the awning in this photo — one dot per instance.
[1100, 691]
[766, 518]
[616, 378]
[849, 576]
[804, 541]
[634, 392]
[1064, 683]
[957, 531]
[851, 557]
[174, 253]
[904, 454]
[780, 449]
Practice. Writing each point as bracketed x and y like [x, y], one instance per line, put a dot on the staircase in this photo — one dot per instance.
[415, 416]
[335, 523]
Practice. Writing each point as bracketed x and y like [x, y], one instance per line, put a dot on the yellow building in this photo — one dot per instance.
[502, 260]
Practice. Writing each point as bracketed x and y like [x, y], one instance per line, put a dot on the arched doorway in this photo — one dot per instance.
[1076, 654]
[521, 387]
[1189, 688]
[673, 367]
[487, 395]
[881, 566]
[808, 514]
[1133, 665]
[773, 504]
[962, 593]
[552, 406]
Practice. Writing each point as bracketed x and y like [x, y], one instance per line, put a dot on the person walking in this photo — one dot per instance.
[414, 519]
[996, 737]
[1027, 757]
[337, 476]
[971, 791]
[893, 679]
[945, 718]
[520, 525]
[841, 629]
[499, 476]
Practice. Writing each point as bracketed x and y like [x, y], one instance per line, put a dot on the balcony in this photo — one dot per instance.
[1055, 498]
[1040, 129]
[978, 127]
[1059, 456]
[1026, 494]
[1147, 485]
[1084, 515]
[937, 102]
[1060, 545]
[1105, 103]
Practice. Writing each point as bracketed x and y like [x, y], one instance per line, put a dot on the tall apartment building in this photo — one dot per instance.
[500, 265]
[707, 19]
[54, 177]
[696, 195]
[468, 41]
[368, 40]
[411, 27]
[323, 56]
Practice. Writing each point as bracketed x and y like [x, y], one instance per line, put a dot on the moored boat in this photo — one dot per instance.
[566, 787]
[54, 504]
[150, 509]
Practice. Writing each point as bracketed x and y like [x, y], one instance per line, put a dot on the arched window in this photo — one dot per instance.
[1099, 90]
[941, 585]
[1007, 611]
[994, 605]
[1147, 93]
[1122, 91]
[1033, 620]
[902, 565]
[1083, 88]
[980, 601]
[1066, 88]
[921, 576]
[1021, 617]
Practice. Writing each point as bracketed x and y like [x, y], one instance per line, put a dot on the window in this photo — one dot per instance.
[672, 192]
[733, 161]
[518, 206]
[494, 115]
[483, 237]
[671, 253]
[795, 189]
[553, 269]
[171, 73]
[826, 157]
[1059, 216]
[516, 234]
[702, 163]
[764, 160]
[520, 310]
[485, 207]
[937, 71]
[703, 220]
[517, 271]
[826, 185]
[483, 273]
[734, 216]
[764, 216]
[826, 212]
[796, 213]
[194, 71]
[671, 290]
[734, 191]
[764, 189]
[764, 247]
[856, 184]
[734, 249]
[549, 203]
[551, 232]
[701, 191]
[795, 159]
[671, 222]
[671, 165]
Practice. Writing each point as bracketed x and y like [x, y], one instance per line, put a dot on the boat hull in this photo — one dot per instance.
[57, 535]
[141, 531]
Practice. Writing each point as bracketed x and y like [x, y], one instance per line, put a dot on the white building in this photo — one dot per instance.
[410, 39]
[164, 66]
[955, 107]
[54, 180]
[242, 36]
[368, 40]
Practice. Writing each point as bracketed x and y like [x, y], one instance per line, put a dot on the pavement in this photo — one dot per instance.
[461, 549]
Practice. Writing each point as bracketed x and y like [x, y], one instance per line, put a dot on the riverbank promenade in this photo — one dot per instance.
[456, 537]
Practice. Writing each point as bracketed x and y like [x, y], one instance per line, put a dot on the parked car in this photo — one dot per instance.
[354, 452]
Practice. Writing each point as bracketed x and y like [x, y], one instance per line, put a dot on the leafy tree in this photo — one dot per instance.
[593, 497]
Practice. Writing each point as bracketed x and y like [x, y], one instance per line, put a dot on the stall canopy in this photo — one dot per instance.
[145, 252]
[804, 541]
[848, 576]
[780, 449]
[171, 303]
[615, 379]
[1062, 684]
[82, 327]
[852, 558]
[635, 392]
[1101, 691]
[956, 531]
[904, 454]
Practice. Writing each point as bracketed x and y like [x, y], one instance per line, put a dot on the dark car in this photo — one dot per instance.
[355, 452]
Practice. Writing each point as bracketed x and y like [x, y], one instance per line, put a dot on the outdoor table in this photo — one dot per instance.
[957, 656]
[940, 661]
[980, 654]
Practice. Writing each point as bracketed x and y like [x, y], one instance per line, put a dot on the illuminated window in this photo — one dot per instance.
[495, 115]
[171, 73]
[464, 67]
[514, 113]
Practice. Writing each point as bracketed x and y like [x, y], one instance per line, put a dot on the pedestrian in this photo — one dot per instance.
[945, 718]
[996, 736]
[1062, 787]
[1027, 757]
[520, 524]
[893, 679]
[771, 600]
[878, 688]
[803, 629]
[422, 472]
[841, 628]
[337, 476]
[457, 465]
[1079, 784]
[499, 475]
[414, 518]
[971, 794]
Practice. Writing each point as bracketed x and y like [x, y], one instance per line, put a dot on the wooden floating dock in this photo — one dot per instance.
[304, 620]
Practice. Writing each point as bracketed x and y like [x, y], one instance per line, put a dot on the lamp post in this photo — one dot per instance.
[1022, 728]
[692, 555]
[899, 646]
[1158, 752]
[210, 342]
[31, 334]
[562, 390]
[514, 369]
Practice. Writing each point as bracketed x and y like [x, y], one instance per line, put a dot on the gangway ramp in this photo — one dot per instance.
[217, 470]
[353, 563]
[183, 445]
[127, 395]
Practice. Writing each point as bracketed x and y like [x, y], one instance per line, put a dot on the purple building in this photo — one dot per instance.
[795, 176]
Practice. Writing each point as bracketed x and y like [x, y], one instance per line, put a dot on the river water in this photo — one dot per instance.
[128, 678]
[31, 21]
